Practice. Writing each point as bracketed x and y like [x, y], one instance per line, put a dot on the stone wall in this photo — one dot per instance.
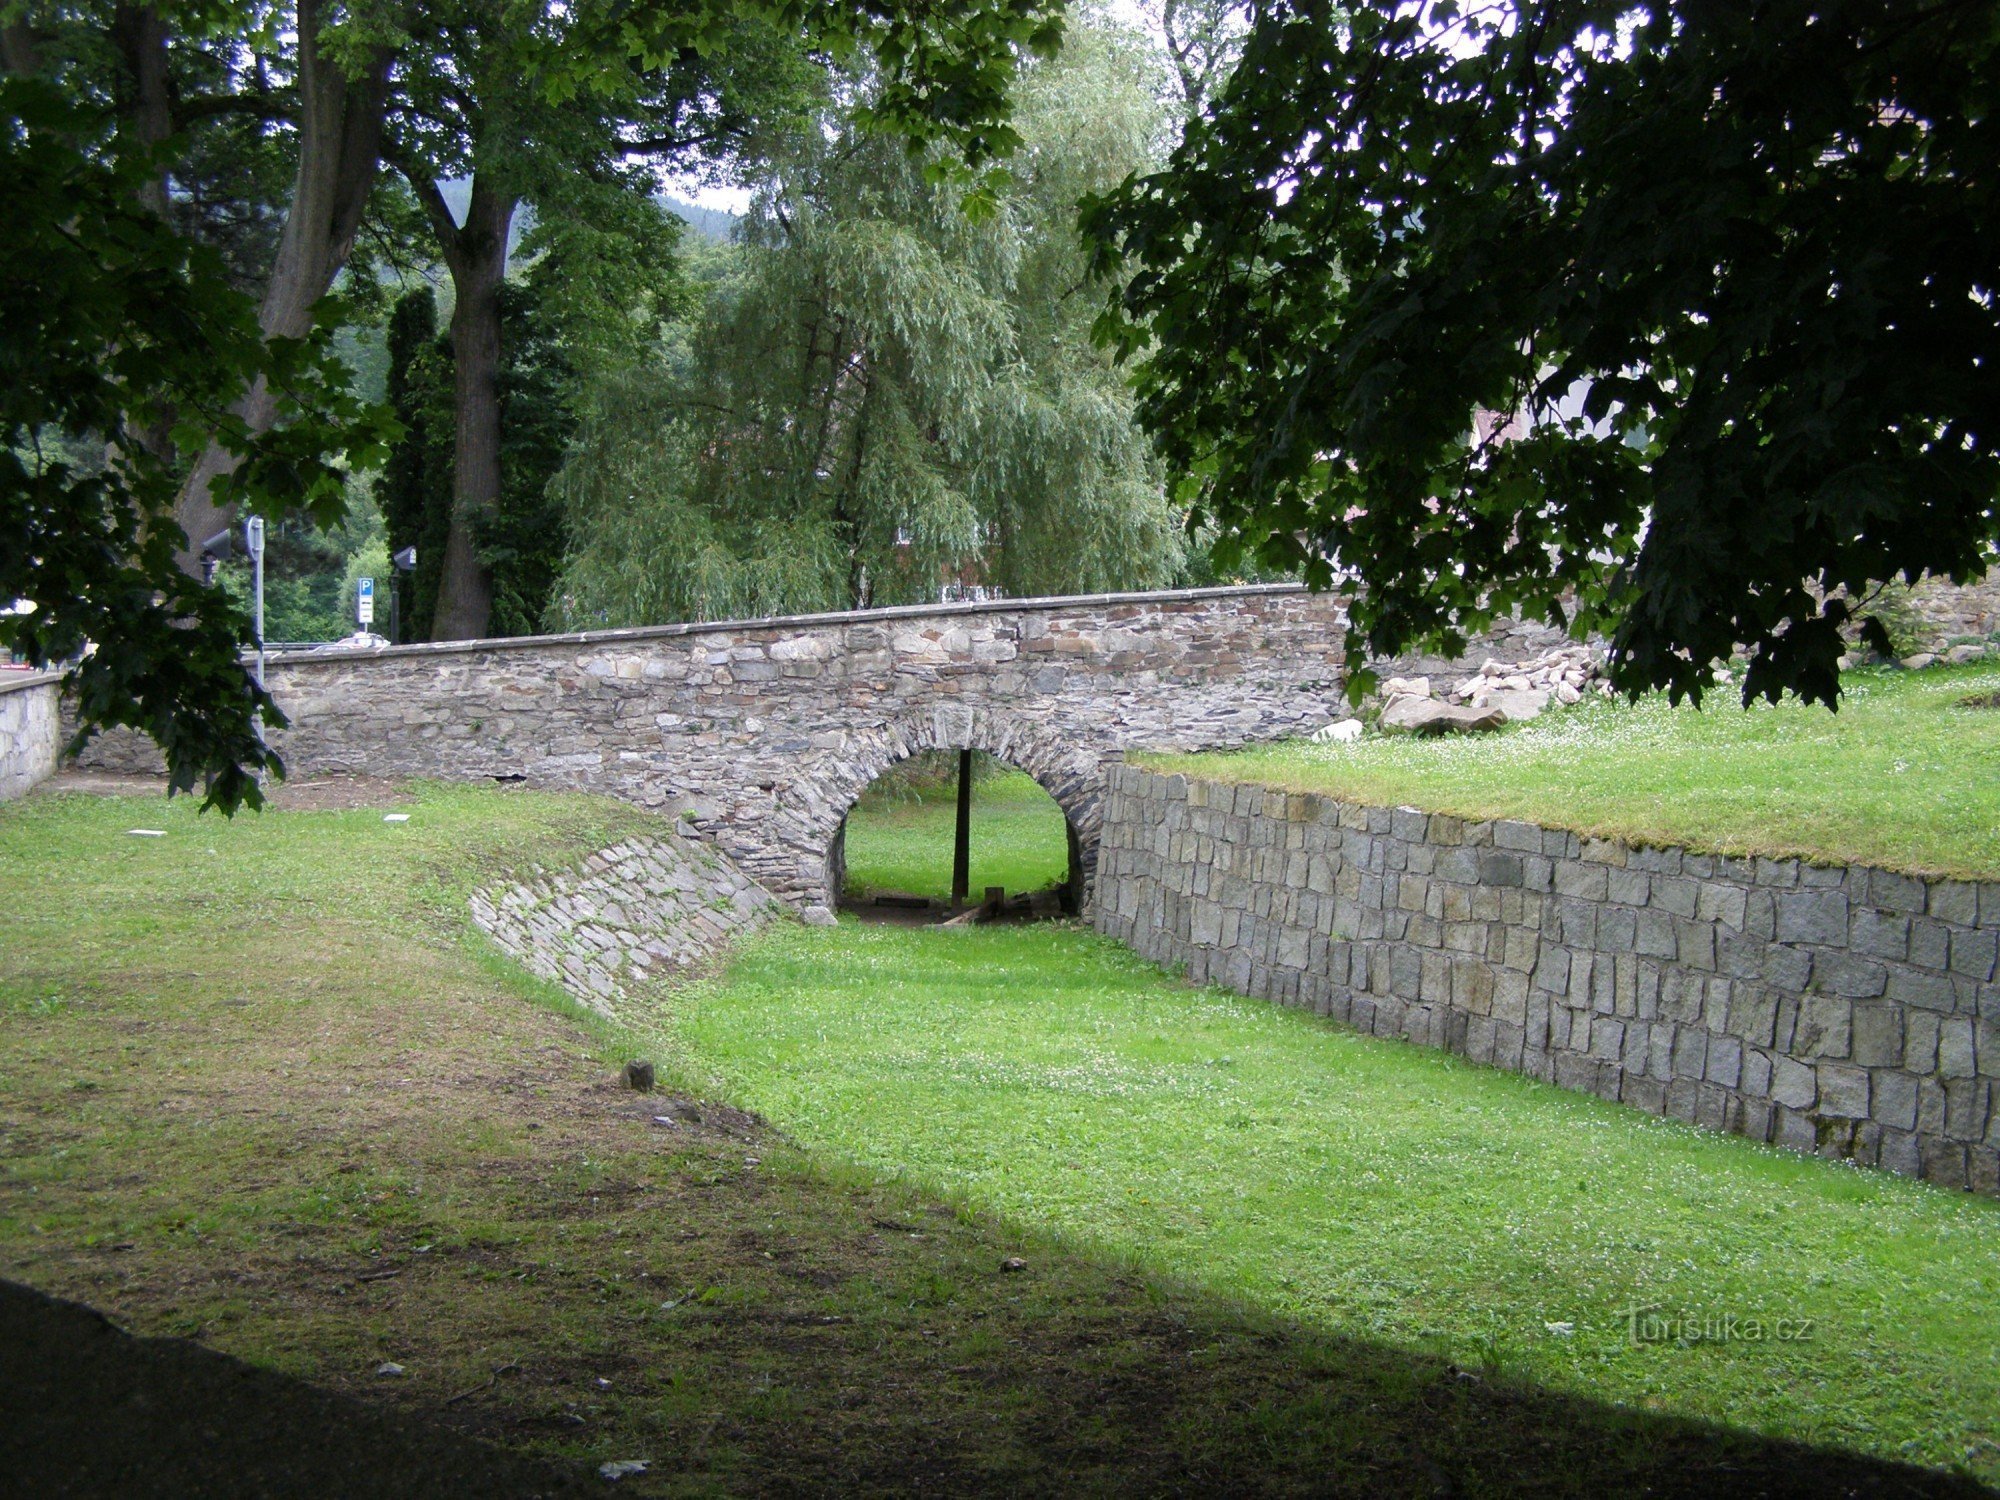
[645, 909]
[1955, 614]
[1848, 1011]
[30, 729]
[764, 732]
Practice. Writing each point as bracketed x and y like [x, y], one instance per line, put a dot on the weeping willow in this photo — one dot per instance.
[886, 395]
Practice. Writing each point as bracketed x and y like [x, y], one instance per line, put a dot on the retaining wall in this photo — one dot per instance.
[644, 909]
[1847, 1011]
[30, 729]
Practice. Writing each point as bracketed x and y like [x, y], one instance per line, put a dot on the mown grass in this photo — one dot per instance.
[1369, 1188]
[902, 840]
[260, 1087]
[1902, 776]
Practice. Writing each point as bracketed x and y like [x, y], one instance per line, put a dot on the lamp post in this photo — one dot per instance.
[405, 561]
[222, 545]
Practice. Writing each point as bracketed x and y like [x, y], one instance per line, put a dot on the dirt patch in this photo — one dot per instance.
[1980, 700]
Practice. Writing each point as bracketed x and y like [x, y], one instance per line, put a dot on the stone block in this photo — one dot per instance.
[1683, 1099]
[1617, 929]
[1944, 1162]
[1843, 1091]
[1586, 882]
[1956, 1054]
[1552, 971]
[1793, 1083]
[1649, 1094]
[1655, 936]
[1921, 989]
[1854, 978]
[1690, 1052]
[1628, 887]
[1879, 934]
[1877, 1035]
[1955, 902]
[1968, 1104]
[1777, 874]
[1930, 943]
[1694, 943]
[1725, 904]
[1724, 1066]
[1576, 922]
[1818, 916]
[1788, 969]
[1578, 1073]
[1905, 894]
[1893, 1099]
[1680, 896]
[1973, 952]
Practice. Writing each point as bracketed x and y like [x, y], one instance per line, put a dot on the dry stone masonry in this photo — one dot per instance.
[30, 730]
[1847, 1011]
[648, 908]
[763, 733]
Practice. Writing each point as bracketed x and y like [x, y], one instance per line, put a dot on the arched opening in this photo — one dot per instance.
[956, 835]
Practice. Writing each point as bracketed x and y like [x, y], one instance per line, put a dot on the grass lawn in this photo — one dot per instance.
[262, 1088]
[1371, 1189]
[1902, 776]
[904, 842]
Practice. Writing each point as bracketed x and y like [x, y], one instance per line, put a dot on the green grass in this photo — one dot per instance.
[1902, 776]
[904, 842]
[1370, 1188]
[260, 1087]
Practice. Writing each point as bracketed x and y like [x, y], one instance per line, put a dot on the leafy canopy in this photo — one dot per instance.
[1731, 265]
[888, 392]
[125, 331]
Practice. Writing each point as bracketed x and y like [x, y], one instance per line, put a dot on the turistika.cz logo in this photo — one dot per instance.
[1653, 1325]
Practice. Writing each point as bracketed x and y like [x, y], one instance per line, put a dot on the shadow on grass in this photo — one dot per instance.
[1214, 1404]
[87, 1409]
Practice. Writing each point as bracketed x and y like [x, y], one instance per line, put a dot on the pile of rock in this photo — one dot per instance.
[1499, 693]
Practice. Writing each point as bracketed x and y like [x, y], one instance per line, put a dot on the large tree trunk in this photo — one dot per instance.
[476, 253]
[145, 104]
[340, 151]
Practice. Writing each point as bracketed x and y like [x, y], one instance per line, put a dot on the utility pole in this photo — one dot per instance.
[961, 853]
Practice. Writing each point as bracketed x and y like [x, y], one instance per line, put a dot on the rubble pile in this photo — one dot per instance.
[1498, 693]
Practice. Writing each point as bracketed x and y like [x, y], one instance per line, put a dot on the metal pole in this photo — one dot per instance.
[961, 854]
[253, 535]
[253, 540]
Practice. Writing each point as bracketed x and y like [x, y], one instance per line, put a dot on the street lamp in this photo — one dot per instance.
[223, 544]
[405, 562]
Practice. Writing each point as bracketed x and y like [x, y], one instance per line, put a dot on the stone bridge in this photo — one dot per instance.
[762, 733]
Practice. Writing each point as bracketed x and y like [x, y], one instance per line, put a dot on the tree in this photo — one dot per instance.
[126, 328]
[478, 113]
[520, 538]
[120, 331]
[889, 392]
[1731, 264]
[351, 63]
[415, 487]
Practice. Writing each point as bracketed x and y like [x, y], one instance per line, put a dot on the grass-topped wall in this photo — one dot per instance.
[1846, 1010]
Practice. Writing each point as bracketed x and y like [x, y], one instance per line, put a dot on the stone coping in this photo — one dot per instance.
[18, 682]
[779, 623]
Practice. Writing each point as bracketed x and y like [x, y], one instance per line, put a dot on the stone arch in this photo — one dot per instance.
[816, 805]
